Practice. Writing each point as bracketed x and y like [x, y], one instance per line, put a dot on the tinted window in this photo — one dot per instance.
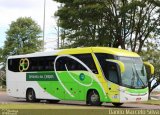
[47, 63]
[35, 64]
[41, 63]
[73, 65]
[64, 63]
[13, 65]
[110, 69]
[102, 60]
[88, 60]
[112, 72]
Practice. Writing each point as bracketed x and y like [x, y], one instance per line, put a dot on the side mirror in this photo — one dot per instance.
[149, 68]
[119, 63]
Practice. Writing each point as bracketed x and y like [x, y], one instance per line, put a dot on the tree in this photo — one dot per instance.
[1, 52]
[2, 78]
[152, 54]
[22, 37]
[113, 23]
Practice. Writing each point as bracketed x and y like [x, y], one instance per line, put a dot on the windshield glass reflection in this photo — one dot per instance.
[135, 73]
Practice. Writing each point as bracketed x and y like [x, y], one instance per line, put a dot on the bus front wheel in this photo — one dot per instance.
[30, 96]
[93, 98]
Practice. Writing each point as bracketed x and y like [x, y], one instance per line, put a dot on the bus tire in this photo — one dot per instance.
[30, 96]
[93, 98]
[53, 101]
[117, 104]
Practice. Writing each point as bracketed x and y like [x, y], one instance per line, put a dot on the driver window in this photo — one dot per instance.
[112, 73]
[110, 70]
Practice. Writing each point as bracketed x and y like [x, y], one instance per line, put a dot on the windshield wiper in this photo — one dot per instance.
[139, 77]
[133, 78]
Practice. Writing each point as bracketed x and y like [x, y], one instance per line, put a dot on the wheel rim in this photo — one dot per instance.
[30, 95]
[94, 98]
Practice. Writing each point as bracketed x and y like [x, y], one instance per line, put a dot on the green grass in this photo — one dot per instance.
[58, 106]
[42, 106]
[50, 109]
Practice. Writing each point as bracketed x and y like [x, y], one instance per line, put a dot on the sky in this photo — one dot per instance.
[10, 10]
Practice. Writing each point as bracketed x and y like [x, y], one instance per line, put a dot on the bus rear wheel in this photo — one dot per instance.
[93, 98]
[117, 104]
[30, 96]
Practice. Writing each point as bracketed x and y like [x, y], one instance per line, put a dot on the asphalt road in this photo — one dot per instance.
[4, 98]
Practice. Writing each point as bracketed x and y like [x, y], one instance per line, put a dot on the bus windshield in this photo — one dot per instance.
[135, 73]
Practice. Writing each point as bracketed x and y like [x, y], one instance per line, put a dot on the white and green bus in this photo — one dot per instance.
[92, 74]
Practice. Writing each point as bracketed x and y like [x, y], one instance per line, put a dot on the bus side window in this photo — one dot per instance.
[41, 63]
[48, 63]
[112, 73]
[33, 64]
[109, 69]
[13, 65]
[10, 64]
[88, 60]
[65, 63]
[60, 64]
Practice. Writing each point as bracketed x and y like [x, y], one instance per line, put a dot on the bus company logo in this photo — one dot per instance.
[82, 76]
[23, 64]
[138, 99]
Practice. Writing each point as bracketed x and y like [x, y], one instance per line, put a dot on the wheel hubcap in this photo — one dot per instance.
[94, 98]
[30, 96]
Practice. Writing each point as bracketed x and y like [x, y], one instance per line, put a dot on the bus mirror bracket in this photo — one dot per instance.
[149, 68]
[119, 63]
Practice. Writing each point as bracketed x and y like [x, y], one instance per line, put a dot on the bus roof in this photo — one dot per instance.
[108, 50]
[115, 51]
